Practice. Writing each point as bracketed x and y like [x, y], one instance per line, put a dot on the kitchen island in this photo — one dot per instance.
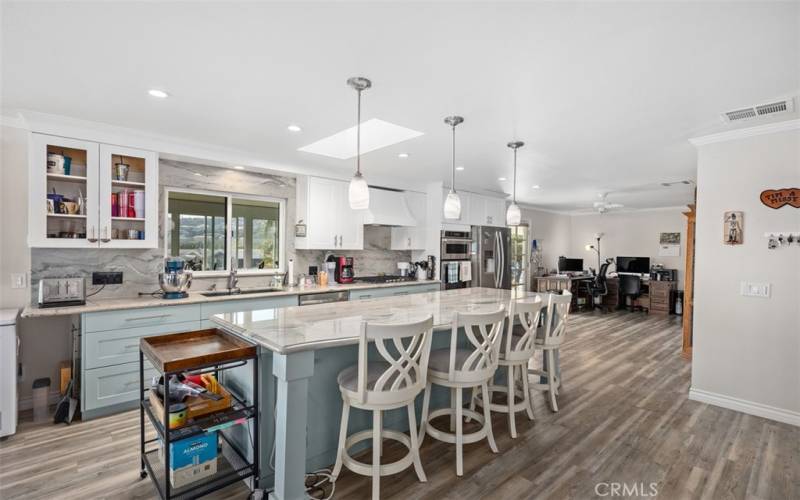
[306, 347]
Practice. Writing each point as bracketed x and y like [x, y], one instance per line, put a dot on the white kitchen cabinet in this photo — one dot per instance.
[116, 228]
[487, 211]
[89, 178]
[330, 223]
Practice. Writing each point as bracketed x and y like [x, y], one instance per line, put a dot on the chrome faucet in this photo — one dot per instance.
[233, 281]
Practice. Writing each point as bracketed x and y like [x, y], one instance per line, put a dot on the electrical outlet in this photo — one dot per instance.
[106, 278]
[748, 289]
[19, 280]
[20, 372]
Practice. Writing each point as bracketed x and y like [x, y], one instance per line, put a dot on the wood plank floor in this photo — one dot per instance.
[624, 418]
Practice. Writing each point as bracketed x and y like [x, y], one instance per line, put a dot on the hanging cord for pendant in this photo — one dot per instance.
[453, 169]
[358, 136]
[514, 190]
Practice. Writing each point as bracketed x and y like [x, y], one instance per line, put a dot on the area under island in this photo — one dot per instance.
[302, 350]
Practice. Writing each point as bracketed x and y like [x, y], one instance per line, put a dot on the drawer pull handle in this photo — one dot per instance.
[401, 293]
[156, 316]
[131, 346]
[132, 382]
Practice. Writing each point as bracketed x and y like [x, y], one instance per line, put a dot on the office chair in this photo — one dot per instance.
[598, 287]
[631, 286]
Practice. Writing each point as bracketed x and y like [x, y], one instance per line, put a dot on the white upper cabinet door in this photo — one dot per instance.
[63, 187]
[495, 211]
[349, 222]
[321, 207]
[128, 198]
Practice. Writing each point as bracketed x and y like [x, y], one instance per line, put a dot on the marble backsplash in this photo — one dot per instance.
[140, 268]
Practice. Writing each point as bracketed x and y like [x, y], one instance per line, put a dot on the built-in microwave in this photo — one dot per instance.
[455, 245]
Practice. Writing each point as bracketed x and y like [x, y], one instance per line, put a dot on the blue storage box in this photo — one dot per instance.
[193, 451]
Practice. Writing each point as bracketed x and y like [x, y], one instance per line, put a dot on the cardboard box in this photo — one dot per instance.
[192, 459]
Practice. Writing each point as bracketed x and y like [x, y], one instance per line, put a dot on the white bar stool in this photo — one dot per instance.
[394, 380]
[461, 368]
[550, 343]
[516, 350]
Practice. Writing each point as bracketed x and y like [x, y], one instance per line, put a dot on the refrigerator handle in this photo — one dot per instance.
[502, 260]
[497, 260]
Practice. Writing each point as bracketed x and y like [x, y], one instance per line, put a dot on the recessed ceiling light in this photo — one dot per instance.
[402, 155]
[198, 174]
[158, 93]
[502, 179]
[536, 186]
[294, 128]
[375, 134]
[459, 168]
[239, 167]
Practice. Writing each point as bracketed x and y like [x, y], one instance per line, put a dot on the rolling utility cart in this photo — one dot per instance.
[191, 454]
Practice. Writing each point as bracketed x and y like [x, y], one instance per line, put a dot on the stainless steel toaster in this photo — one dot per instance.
[57, 292]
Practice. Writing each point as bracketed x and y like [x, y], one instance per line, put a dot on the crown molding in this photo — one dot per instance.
[743, 133]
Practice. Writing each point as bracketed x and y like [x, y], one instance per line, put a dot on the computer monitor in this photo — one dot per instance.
[570, 265]
[633, 265]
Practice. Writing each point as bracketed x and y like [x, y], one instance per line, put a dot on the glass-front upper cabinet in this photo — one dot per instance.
[128, 197]
[72, 188]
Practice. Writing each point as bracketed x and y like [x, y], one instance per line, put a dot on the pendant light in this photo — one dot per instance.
[358, 194]
[452, 204]
[513, 214]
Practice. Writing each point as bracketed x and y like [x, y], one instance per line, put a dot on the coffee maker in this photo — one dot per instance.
[344, 270]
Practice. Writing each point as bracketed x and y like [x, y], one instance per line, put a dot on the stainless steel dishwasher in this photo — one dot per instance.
[323, 298]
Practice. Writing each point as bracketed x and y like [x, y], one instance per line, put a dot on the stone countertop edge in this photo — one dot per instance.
[100, 305]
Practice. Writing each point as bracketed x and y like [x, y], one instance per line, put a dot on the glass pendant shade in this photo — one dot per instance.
[452, 206]
[358, 194]
[513, 215]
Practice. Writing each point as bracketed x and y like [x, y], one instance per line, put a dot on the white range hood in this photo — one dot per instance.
[388, 208]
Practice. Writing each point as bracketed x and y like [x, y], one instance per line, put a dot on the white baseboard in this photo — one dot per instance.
[26, 403]
[744, 406]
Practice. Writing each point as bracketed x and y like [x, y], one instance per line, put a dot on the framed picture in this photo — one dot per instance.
[733, 228]
[670, 239]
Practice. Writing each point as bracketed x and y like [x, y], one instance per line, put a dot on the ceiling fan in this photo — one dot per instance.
[602, 205]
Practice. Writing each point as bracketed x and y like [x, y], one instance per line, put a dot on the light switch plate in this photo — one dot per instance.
[749, 289]
[18, 280]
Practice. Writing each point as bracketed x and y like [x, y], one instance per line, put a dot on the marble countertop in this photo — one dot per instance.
[292, 329]
[197, 298]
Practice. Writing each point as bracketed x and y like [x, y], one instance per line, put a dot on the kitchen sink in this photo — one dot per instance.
[246, 291]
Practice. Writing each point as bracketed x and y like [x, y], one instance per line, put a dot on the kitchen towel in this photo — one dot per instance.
[452, 272]
[465, 270]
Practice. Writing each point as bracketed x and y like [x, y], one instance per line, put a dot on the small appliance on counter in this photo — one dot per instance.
[58, 292]
[344, 270]
[661, 274]
[404, 268]
[175, 279]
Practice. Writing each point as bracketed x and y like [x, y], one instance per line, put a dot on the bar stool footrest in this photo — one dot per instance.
[385, 469]
[448, 437]
[501, 408]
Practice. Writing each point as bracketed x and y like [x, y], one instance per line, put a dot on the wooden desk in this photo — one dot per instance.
[556, 284]
[657, 296]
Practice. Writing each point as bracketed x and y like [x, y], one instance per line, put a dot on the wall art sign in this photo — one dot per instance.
[776, 198]
[733, 233]
[669, 244]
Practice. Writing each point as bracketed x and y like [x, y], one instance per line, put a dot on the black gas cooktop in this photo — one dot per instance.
[386, 278]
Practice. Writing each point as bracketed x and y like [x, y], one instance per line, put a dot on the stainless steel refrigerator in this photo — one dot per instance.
[491, 257]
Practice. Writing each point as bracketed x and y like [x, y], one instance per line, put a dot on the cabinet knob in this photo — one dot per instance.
[92, 238]
[105, 238]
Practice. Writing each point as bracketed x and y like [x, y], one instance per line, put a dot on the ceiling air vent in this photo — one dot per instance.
[782, 106]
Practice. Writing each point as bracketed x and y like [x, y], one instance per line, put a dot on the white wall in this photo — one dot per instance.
[746, 352]
[552, 233]
[634, 234]
[45, 342]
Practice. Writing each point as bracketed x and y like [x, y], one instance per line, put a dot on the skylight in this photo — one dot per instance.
[375, 134]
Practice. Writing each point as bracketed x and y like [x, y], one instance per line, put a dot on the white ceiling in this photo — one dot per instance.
[605, 95]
